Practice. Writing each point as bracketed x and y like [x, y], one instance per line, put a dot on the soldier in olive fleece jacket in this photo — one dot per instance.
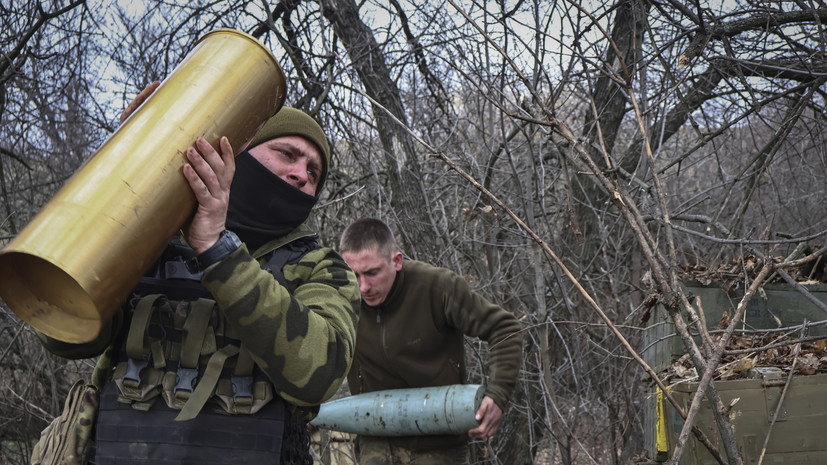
[411, 330]
[240, 330]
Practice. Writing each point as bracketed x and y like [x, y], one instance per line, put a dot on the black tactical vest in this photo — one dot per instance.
[182, 389]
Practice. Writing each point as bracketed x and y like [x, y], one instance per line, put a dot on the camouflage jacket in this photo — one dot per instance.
[303, 340]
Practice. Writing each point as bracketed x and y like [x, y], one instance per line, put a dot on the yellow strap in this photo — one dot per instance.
[661, 444]
[206, 385]
[195, 329]
[136, 346]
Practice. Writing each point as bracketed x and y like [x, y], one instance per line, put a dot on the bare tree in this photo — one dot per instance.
[47, 130]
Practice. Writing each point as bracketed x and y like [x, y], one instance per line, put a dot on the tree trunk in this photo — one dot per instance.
[403, 169]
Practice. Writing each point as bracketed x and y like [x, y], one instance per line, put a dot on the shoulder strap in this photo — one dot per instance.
[289, 254]
[175, 274]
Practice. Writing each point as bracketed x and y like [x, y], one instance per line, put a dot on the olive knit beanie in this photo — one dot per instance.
[293, 122]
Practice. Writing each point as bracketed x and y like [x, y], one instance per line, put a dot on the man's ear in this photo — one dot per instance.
[396, 259]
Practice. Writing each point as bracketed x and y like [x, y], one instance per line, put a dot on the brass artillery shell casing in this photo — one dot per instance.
[74, 263]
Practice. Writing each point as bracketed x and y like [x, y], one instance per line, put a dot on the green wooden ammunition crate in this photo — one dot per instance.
[799, 435]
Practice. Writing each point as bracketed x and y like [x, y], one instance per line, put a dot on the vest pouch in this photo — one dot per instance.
[141, 390]
[194, 361]
[176, 398]
[181, 352]
[67, 439]
[242, 394]
[138, 375]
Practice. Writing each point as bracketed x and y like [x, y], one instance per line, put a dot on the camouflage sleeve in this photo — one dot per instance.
[303, 341]
[477, 317]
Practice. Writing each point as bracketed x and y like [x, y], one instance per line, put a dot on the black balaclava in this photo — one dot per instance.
[262, 205]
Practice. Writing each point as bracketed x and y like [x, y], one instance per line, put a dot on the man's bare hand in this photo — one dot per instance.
[210, 176]
[489, 415]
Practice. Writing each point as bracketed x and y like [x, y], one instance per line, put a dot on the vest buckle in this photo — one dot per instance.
[242, 387]
[185, 380]
[133, 370]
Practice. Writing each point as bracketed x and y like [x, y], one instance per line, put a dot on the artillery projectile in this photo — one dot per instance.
[404, 412]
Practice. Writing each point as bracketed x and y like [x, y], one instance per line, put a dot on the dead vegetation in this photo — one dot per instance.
[746, 267]
[748, 348]
[745, 352]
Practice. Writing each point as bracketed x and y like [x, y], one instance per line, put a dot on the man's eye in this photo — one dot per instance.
[313, 174]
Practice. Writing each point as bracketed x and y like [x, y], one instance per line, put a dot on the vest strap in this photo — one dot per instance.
[136, 346]
[244, 365]
[138, 351]
[242, 379]
[206, 386]
[195, 330]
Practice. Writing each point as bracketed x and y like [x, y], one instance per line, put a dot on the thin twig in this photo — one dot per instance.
[44, 415]
[801, 289]
[707, 339]
[11, 344]
[783, 394]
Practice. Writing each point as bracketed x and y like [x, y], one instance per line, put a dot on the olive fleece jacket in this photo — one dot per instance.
[415, 337]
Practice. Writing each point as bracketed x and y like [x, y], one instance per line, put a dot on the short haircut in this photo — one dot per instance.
[368, 233]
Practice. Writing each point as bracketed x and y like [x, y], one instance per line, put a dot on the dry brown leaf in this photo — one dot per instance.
[807, 370]
[809, 359]
[812, 357]
[742, 365]
[683, 372]
[725, 372]
[724, 321]
[732, 273]
[770, 356]
[741, 342]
